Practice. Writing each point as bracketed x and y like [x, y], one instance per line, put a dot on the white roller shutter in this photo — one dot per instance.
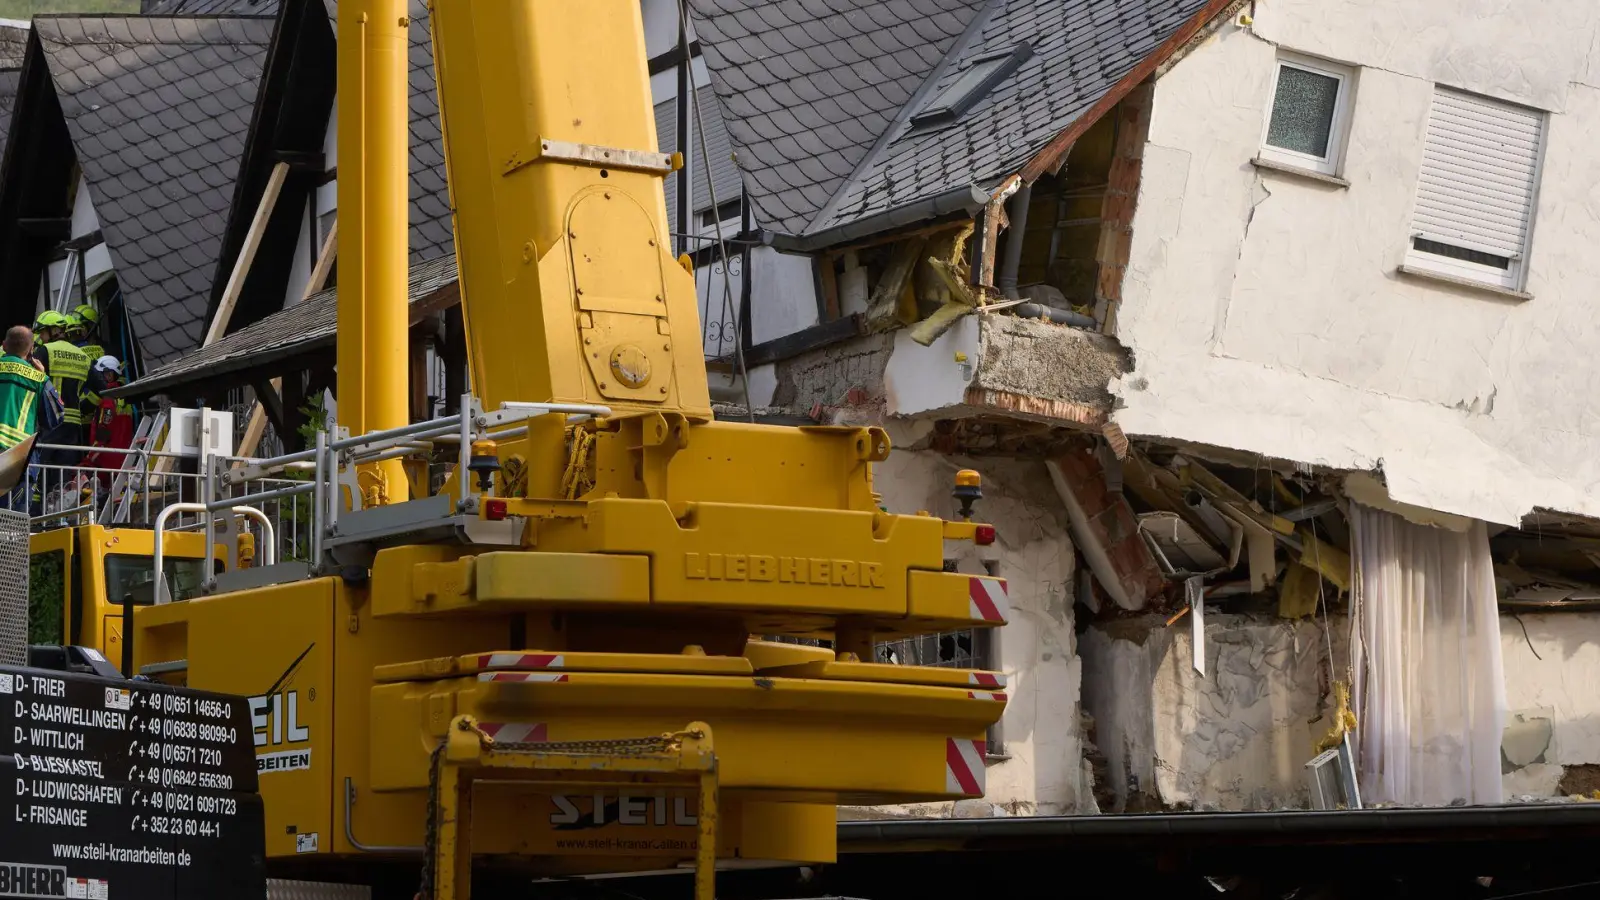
[1476, 192]
[719, 149]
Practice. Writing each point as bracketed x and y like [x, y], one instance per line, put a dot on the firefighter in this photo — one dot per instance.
[109, 423]
[89, 336]
[68, 368]
[23, 392]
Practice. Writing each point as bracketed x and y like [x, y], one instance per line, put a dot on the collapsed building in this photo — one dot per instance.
[1247, 326]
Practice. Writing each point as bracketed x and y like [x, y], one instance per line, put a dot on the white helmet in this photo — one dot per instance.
[107, 364]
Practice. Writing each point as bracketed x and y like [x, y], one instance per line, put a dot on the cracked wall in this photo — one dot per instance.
[1265, 311]
[1552, 740]
[1043, 772]
[1236, 738]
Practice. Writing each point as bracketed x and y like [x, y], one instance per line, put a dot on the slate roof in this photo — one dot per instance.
[212, 8]
[158, 109]
[291, 331]
[13, 44]
[432, 235]
[808, 86]
[772, 66]
[9, 80]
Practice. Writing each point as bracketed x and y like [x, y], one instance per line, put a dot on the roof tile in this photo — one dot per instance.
[843, 72]
[139, 95]
[813, 44]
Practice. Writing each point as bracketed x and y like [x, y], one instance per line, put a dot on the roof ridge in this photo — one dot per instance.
[968, 35]
[145, 17]
[59, 40]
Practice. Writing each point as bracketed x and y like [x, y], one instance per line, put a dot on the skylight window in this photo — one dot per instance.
[981, 76]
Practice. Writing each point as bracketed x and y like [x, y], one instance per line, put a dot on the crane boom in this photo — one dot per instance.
[569, 288]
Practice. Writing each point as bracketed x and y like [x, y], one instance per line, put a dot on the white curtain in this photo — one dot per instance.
[1430, 693]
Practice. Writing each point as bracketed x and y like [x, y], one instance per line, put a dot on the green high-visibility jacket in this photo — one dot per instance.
[20, 388]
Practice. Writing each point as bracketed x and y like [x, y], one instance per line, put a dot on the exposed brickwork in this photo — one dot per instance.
[1121, 200]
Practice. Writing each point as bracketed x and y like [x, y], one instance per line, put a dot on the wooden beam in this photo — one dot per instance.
[257, 426]
[268, 400]
[324, 266]
[247, 254]
[294, 401]
[830, 285]
[417, 375]
[1054, 153]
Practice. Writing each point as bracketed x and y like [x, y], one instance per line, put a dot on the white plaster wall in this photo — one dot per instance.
[1553, 696]
[303, 260]
[1236, 738]
[97, 260]
[783, 294]
[921, 380]
[1044, 773]
[1264, 311]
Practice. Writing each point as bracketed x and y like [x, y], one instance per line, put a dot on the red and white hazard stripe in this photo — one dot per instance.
[987, 695]
[963, 767]
[516, 732]
[986, 679]
[990, 601]
[524, 677]
[521, 661]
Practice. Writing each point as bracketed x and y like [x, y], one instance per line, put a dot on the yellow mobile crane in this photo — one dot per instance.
[568, 622]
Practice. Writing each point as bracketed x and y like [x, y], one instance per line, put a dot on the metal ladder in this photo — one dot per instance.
[133, 476]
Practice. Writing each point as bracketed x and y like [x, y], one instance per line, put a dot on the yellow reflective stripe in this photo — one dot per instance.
[27, 407]
[67, 361]
[22, 370]
[72, 416]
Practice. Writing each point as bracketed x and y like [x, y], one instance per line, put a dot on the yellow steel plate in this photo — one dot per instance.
[766, 655]
[975, 680]
[513, 661]
[805, 739]
[951, 596]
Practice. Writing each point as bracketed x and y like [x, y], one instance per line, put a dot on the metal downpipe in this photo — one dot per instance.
[1011, 262]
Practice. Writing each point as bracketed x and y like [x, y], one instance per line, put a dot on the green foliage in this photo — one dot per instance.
[27, 9]
[316, 418]
[298, 513]
[47, 598]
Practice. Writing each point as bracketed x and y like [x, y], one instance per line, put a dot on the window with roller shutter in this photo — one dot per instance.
[1477, 188]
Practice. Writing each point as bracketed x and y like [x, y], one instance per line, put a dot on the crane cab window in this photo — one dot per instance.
[126, 574]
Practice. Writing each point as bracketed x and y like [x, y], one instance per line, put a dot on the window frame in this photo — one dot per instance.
[1513, 278]
[946, 107]
[1338, 127]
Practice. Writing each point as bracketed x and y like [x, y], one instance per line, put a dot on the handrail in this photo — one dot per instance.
[269, 549]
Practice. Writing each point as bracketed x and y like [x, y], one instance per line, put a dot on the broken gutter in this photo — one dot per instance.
[968, 199]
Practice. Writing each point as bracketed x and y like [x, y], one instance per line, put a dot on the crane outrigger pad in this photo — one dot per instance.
[511, 662]
[806, 739]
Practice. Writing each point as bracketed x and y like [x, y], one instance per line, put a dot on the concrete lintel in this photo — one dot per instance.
[1041, 371]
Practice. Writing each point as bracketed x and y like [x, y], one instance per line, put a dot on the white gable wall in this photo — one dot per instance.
[1265, 311]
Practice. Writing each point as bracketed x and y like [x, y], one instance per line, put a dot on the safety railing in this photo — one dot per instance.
[290, 503]
[325, 474]
[144, 485]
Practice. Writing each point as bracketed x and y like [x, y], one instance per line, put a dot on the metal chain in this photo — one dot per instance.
[430, 841]
[622, 747]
